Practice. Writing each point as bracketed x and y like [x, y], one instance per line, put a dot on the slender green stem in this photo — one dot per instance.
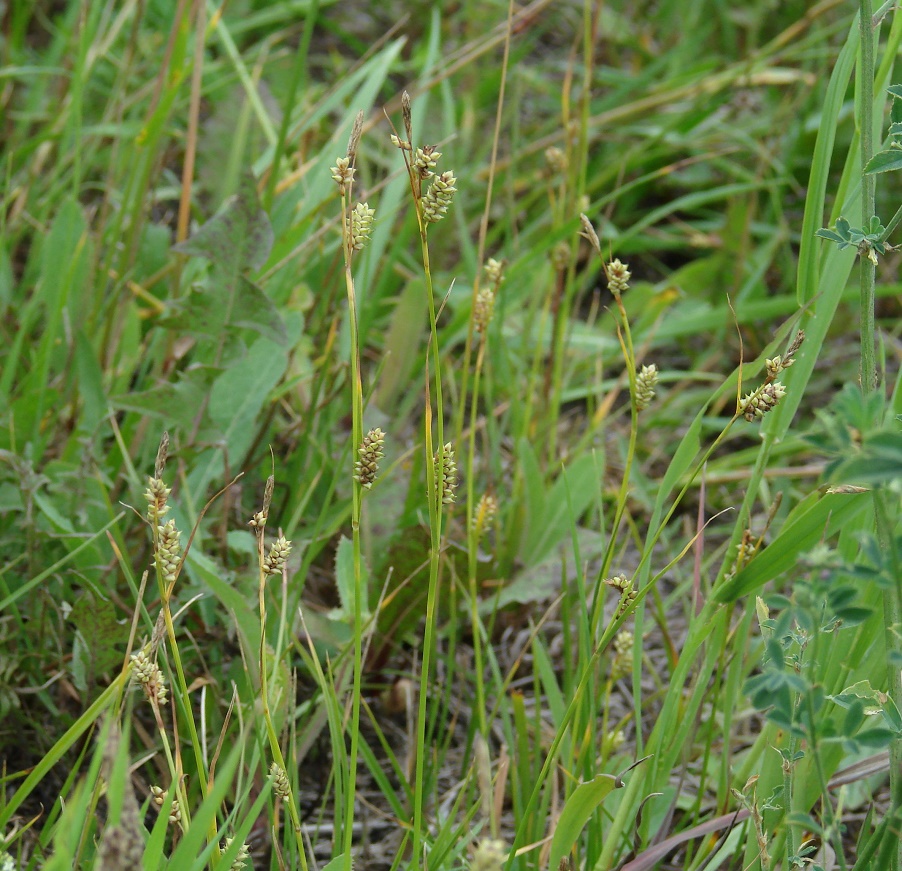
[892, 612]
[868, 371]
[357, 497]
[473, 533]
[271, 733]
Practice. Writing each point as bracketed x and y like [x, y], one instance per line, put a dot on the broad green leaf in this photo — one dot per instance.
[102, 638]
[578, 810]
[202, 312]
[885, 161]
[239, 236]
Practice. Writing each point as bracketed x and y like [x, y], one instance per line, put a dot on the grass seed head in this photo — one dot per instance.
[484, 513]
[277, 556]
[159, 799]
[343, 174]
[243, 857]
[646, 379]
[169, 551]
[439, 197]
[447, 484]
[425, 161]
[361, 225]
[484, 309]
[622, 664]
[280, 784]
[494, 271]
[147, 673]
[555, 160]
[560, 256]
[758, 403]
[490, 855]
[371, 451]
[618, 276]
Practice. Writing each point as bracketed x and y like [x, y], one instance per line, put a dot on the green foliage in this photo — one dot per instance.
[423, 676]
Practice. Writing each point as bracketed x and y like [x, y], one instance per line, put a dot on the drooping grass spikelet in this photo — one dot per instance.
[343, 174]
[618, 276]
[759, 402]
[169, 551]
[484, 513]
[622, 664]
[147, 673]
[361, 227]
[781, 362]
[371, 451]
[753, 406]
[490, 855]
[275, 560]
[281, 786]
[425, 160]
[439, 197]
[627, 593]
[494, 271]
[243, 857]
[646, 379]
[555, 160]
[560, 256]
[484, 309]
[448, 483]
[159, 799]
[156, 494]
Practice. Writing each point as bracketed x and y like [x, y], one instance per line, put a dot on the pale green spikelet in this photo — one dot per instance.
[614, 740]
[490, 855]
[159, 799]
[758, 403]
[618, 276]
[371, 451]
[169, 551]
[627, 594]
[622, 664]
[361, 226]
[484, 309]
[484, 513]
[156, 494]
[560, 256]
[439, 197]
[494, 271]
[343, 174]
[555, 160]
[646, 379]
[275, 560]
[448, 483]
[243, 857]
[281, 786]
[147, 673]
[425, 160]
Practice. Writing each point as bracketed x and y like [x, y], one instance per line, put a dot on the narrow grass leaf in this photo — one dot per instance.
[815, 518]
